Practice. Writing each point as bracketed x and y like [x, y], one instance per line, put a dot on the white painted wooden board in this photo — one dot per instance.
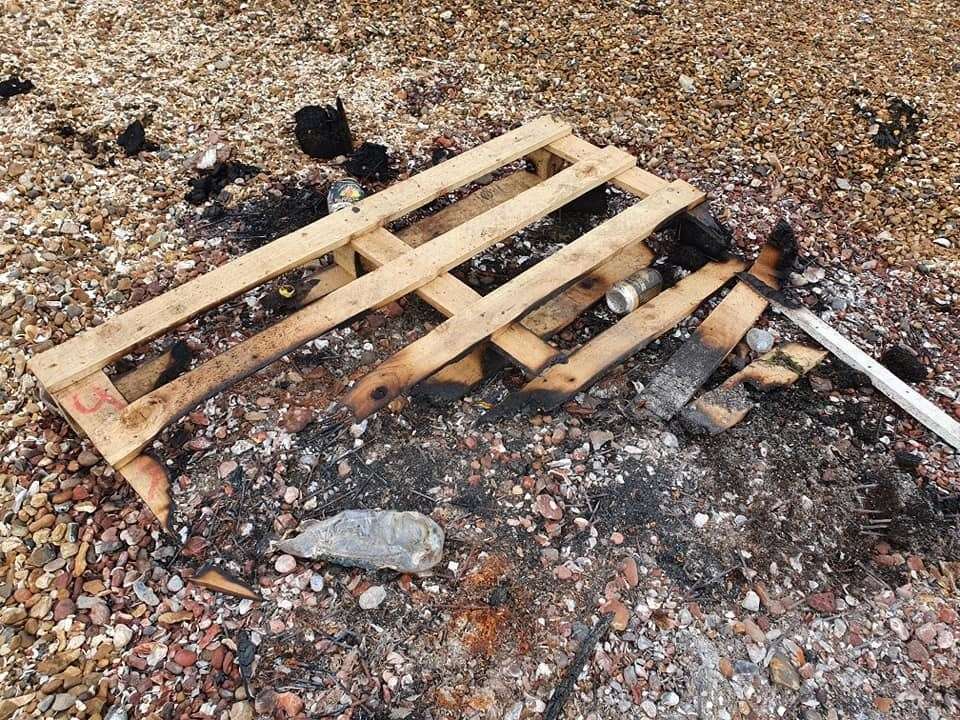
[924, 411]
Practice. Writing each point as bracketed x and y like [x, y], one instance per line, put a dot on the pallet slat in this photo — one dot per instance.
[143, 419]
[628, 336]
[502, 306]
[726, 405]
[92, 350]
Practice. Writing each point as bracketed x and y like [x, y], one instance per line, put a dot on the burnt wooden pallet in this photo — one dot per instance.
[372, 266]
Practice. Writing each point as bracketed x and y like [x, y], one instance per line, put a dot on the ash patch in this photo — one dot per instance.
[255, 223]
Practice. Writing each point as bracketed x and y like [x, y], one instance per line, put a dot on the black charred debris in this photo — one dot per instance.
[134, 139]
[904, 364]
[322, 131]
[369, 162]
[14, 85]
[210, 182]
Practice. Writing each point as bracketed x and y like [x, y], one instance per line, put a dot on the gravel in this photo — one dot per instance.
[743, 571]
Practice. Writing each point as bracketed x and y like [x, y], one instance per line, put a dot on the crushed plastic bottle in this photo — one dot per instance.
[371, 539]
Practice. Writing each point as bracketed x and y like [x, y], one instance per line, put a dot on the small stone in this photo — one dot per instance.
[942, 242]
[175, 584]
[69, 227]
[782, 672]
[145, 593]
[185, 658]
[599, 438]
[87, 458]
[63, 701]
[917, 652]
[548, 507]
[824, 602]
[751, 601]
[926, 633]
[372, 597]
[621, 614]
[649, 708]
[687, 84]
[285, 564]
[700, 520]
[241, 711]
[843, 183]
[760, 341]
[122, 634]
[297, 418]
[669, 440]
[291, 495]
[265, 702]
[316, 582]
[290, 704]
[64, 608]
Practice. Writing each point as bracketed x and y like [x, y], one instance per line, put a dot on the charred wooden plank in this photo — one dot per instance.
[726, 405]
[458, 378]
[628, 336]
[493, 313]
[689, 367]
[151, 481]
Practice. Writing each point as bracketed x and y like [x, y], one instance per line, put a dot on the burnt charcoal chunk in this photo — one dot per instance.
[687, 257]
[212, 182]
[783, 238]
[369, 162]
[14, 86]
[322, 131]
[908, 461]
[904, 364]
[699, 229]
[133, 138]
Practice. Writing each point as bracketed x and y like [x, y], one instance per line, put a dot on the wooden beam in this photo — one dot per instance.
[95, 348]
[93, 403]
[726, 405]
[634, 181]
[908, 399]
[628, 336]
[489, 315]
[135, 426]
[690, 366]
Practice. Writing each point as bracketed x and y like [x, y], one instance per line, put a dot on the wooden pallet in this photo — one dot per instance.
[372, 266]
